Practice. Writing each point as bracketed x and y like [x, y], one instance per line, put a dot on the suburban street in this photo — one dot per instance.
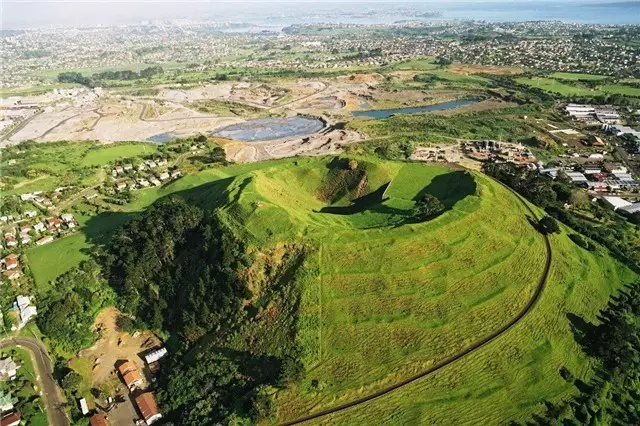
[53, 397]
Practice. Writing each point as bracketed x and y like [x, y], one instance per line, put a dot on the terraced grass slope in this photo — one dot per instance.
[389, 297]
[392, 297]
[385, 297]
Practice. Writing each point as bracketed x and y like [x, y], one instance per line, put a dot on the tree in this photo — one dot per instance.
[71, 381]
[548, 225]
[427, 208]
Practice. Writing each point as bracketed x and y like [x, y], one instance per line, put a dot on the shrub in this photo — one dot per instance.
[427, 208]
[548, 225]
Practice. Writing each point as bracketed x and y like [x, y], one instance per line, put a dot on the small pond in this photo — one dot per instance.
[266, 129]
[163, 137]
[384, 113]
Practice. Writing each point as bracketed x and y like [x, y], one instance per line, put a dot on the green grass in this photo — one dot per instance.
[416, 65]
[512, 376]
[385, 298]
[104, 155]
[577, 76]
[556, 85]
[47, 166]
[621, 89]
[552, 85]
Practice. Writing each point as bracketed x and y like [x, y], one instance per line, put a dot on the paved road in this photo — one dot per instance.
[455, 357]
[20, 126]
[53, 397]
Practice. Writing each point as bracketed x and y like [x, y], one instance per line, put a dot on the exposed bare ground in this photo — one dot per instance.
[114, 346]
[486, 69]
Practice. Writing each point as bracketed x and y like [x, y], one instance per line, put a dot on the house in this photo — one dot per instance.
[154, 356]
[39, 227]
[12, 275]
[44, 240]
[591, 169]
[6, 402]
[130, 375]
[8, 368]
[10, 261]
[11, 241]
[577, 178]
[596, 157]
[552, 172]
[143, 182]
[615, 168]
[164, 176]
[148, 408]
[26, 315]
[12, 419]
[67, 218]
[155, 182]
[118, 169]
[128, 166]
[30, 213]
[54, 221]
[27, 310]
[630, 209]
[25, 228]
[121, 185]
[23, 301]
[98, 420]
[25, 238]
[84, 407]
[615, 202]
[175, 174]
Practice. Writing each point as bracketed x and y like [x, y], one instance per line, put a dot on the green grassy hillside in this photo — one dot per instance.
[384, 297]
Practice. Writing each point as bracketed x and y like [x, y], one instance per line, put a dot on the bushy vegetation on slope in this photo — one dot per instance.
[613, 394]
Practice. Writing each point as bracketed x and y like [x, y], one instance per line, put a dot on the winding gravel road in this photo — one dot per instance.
[53, 397]
[455, 357]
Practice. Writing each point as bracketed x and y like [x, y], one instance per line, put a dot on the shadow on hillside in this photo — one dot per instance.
[99, 228]
[448, 188]
[370, 202]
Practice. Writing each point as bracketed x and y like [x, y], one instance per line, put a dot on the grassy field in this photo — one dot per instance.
[388, 297]
[512, 376]
[577, 76]
[47, 166]
[552, 85]
[556, 85]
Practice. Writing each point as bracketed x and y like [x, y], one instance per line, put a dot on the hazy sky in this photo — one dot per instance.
[48, 13]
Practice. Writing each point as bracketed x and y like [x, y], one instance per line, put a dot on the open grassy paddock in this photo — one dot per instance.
[385, 297]
[47, 166]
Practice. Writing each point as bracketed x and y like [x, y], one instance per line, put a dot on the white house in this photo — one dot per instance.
[154, 356]
[615, 202]
[8, 369]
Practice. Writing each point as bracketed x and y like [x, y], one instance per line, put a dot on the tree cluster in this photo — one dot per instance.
[613, 395]
[67, 311]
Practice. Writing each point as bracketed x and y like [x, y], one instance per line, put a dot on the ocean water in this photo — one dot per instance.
[277, 14]
[567, 11]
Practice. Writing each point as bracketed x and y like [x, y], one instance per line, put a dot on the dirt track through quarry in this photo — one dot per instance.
[455, 357]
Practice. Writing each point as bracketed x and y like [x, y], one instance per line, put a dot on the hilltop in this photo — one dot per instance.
[321, 287]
